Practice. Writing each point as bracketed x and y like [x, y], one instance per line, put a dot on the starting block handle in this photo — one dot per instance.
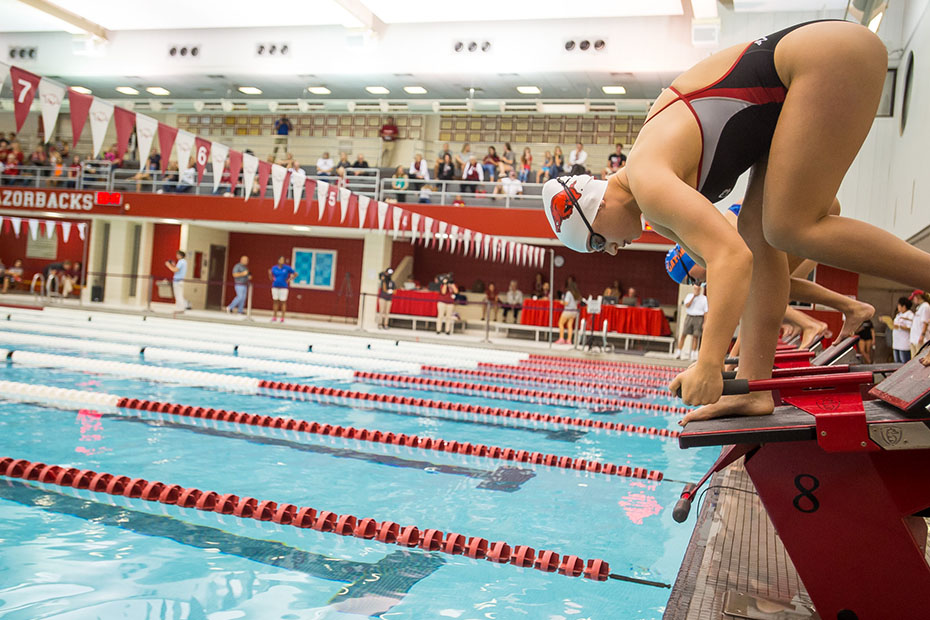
[745, 386]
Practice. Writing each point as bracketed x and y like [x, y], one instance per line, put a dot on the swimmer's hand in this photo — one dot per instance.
[701, 384]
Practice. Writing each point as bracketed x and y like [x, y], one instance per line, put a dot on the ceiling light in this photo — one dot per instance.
[528, 90]
[414, 90]
[377, 90]
[250, 90]
[158, 90]
[127, 90]
[613, 90]
[82, 90]
[319, 90]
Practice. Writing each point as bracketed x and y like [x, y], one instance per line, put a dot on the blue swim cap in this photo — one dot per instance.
[678, 264]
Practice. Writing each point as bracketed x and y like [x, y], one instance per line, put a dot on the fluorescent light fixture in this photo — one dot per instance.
[250, 90]
[563, 108]
[414, 90]
[158, 91]
[301, 228]
[319, 90]
[127, 90]
[528, 90]
[377, 90]
[82, 89]
[613, 90]
[876, 21]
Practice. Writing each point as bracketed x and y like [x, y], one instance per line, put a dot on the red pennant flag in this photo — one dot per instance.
[389, 220]
[285, 185]
[166, 136]
[435, 231]
[332, 215]
[124, 120]
[235, 167]
[264, 171]
[7, 226]
[352, 212]
[371, 218]
[201, 156]
[309, 195]
[80, 108]
[25, 85]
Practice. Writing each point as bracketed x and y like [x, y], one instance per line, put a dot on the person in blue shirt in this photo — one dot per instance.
[179, 268]
[281, 276]
[282, 127]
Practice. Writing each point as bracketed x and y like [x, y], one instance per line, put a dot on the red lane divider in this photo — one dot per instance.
[334, 393]
[606, 378]
[611, 363]
[412, 441]
[632, 390]
[508, 393]
[288, 514]
[590, 367]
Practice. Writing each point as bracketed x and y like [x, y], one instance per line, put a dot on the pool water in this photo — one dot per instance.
[68, 553]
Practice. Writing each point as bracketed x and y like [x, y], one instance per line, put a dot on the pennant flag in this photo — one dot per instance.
[235, 166]
[166, 137]
[466, 242]
[351, 218]
[184, 146]
[322, 191]
[479, 239]
[453, 238]
[388, 218]
[332, 209]
[405, 220]
[80, 108]
[443, 226]
[363, 204]
[278, 173]
[124, 120]
[344, 197]
[17, 223]
[416, 226]
[100, 113]
[4, 71]
[218, 154]
[25, 85]
[202, 156]
[249, 166]
[4, 222]
[146, 128]
[51, 96]
[382, 214]
[398, 214]
[49, 229]
[286, 184]
[264, 171]
[297, 186]
[494, 247]
[65, 231]
[430, 228]
[33, 228]
[309, 192]
[82, 229]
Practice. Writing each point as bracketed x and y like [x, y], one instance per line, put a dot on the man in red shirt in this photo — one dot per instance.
[388, 133]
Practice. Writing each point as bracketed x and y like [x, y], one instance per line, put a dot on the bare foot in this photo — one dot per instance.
[754, 403]
[925, 360]
[810, 333]
[788, 331]
[854, 320]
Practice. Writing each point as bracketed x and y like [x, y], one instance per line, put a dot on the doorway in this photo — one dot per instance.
[216, 276]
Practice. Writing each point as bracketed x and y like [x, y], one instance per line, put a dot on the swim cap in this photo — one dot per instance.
[570, 230]
[678, 264]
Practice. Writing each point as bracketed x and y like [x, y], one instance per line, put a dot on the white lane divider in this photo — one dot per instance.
[74, 344]
[30, 392]
[248, 363]
[346, 361]
[131, 337]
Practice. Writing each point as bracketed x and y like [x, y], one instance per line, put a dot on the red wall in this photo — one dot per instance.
[12, 247]
[263, 252]
[166, 241]
[839, 280]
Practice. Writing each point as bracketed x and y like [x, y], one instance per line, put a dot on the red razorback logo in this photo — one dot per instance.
[561, 206]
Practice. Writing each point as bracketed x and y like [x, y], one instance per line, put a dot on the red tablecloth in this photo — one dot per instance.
[417, 303]
[621, 319]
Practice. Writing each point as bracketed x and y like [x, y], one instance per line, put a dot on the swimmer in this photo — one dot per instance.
[795, 107]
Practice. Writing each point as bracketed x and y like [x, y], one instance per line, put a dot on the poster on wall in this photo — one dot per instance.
[42, 246]
[316, 269]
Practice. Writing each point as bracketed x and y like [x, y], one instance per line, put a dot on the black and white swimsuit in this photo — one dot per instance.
[737, 115]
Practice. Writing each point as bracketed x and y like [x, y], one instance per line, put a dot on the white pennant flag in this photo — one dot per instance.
[398, 214]
[479, 237]
[49, 229]
[66, 231]
[298, 181]
[363, 203]
[278, 172]
[414, 226]
[427, 229]
[344, 196]
[82, 230]
[453, 238]
[4, 71]
[33, 228]
[494, 247]
[17, 223]
[322, 191]
[218, 154]
[382, 214]
[51, 94]
[184, 145]
[249, 168]
[100, 113]
[466, 241]
[443, 226]
[146, 129]
[487, 245]
[526, 254]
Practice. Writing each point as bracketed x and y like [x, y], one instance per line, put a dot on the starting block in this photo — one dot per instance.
[843, 469]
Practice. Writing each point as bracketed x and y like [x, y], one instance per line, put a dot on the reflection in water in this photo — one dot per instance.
[91, 432]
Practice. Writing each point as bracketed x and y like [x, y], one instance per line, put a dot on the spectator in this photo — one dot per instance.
[287, 161]
[612, 292]
[17, 151]
[491, 302]
[542, 175]
[426, 193]
[71, 279]
[241, 277]
[225, 184]
[281, 276]
[152, 164]
[389, 134]
[112, 156]
[558, 163]
[179, 269]
[458, 202]
[617, 159]
[360, 167]
[57, 167]
[419, 171]
[170, 178]
[695, 309]
[445, 170]
[538, 281]
[447, 292]
[12, 275]
[526, 165]
[901, 339]
[11, 170]
[866, 335]
[630, 299]
[508, 160]
[324, 165]
[461, 160]
[490, 163]
[4, 148]
[399, 183]
[385, 296]
[569, 312]
[440, 156]
[473, 174]
[921, 323]
[510, 185]
[343, 164]
[187, 179]
[55, 272]
[39, 158]
[282, 128]
[65, 149]
[74, 171]
[513, 300]
[578, 157]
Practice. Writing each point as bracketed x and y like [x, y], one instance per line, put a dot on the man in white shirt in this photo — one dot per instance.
[510, 185]
[695, 309]
[179, 269]
[472, 173]
[324, 165]
[419, 171]
[578, 156]
[921, 322]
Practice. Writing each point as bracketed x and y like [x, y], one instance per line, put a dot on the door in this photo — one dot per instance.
[216, 273]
